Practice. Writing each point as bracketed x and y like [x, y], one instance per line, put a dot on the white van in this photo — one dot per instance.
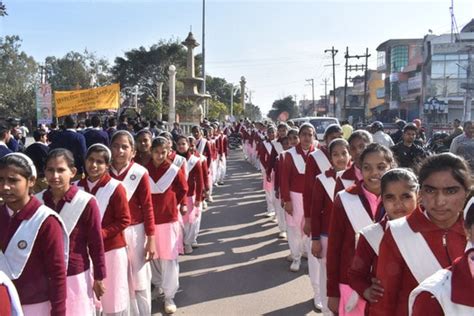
[320, 123]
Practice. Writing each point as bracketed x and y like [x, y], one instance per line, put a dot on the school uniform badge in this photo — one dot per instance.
[133, 177]
[22, 244]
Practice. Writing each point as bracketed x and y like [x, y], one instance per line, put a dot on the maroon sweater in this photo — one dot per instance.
[85, 239]
[141, 207]
[44, 276]
[5, 303]
[165, 205]
[341, 243]
[195, 180]
[291, 180]
[116, 216]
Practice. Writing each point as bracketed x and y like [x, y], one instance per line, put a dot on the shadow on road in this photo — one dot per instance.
[240, 252]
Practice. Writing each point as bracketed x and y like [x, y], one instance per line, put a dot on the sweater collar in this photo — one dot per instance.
[462, 282]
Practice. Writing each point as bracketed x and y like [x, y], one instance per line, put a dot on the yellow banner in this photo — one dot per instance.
[78, 101]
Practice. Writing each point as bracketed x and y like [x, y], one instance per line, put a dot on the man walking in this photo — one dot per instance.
[463, 145]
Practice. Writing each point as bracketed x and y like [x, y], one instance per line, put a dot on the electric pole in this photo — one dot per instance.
[333, 54]
[346, 56]
[326, 103]
[366, 73]
[312, 91]
[357, 67]
[469, 88]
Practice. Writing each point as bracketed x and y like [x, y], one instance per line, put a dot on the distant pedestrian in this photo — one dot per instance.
[112, 126]
[346, 129]
[123, 119]
[24, 133]
[53, 132]
[12, 143]
[456, 131]
[176, 131]
[420, 135]
[463, 145]
[4, 139]
[38, 152]
[380, 137]
[407, 153]
[155, 130]
[95, 134]
[74, 141]
[397, 136]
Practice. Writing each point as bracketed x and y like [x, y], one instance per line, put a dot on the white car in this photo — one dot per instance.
[320, 123]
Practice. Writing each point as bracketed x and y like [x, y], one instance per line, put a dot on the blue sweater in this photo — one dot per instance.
[4, 150]
[94, 136]
[73, 141]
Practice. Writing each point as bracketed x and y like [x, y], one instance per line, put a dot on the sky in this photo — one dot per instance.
[277, 45]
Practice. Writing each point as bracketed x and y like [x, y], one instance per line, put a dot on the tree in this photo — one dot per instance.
[146, 67]
[17, 79]
[77, 71]
[283, 105]
[217, 110]
[253, 112]
[219, 88]
[3, 9]
[152, 110]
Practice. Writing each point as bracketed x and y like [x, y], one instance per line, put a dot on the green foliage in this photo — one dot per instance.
[17, 79]
[219, 89]
[184, 107]
[152, 109]
[3, 9]
[286, 104]
[146, 67]
[77, 71]
[253, 112]
[217, 110]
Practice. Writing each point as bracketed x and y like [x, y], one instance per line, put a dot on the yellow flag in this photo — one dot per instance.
[78, 101]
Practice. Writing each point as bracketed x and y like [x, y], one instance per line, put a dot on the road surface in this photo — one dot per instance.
[240, 268]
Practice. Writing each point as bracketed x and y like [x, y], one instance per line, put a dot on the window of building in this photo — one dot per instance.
[448, 71]
[380, 60]
[399, 58]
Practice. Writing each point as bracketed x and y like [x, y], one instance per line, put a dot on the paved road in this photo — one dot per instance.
[240, 268]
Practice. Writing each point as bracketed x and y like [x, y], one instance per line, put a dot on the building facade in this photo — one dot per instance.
[400, 63]
[446, 61]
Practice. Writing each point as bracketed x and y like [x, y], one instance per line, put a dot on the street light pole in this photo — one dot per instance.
[242, 93]
[468, 98]
[135, 98]
[204, 46]
[312, 91]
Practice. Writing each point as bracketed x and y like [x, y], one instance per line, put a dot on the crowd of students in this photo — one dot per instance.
[99, 238]
[379, 239]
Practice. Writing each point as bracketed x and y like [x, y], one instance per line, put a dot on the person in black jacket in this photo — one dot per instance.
[38, 151]
[406, 152]
[4, 139]
[74, 141]
[398, 135]
[95, 134]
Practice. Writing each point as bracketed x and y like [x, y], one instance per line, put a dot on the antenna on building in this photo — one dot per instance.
[454, 25]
